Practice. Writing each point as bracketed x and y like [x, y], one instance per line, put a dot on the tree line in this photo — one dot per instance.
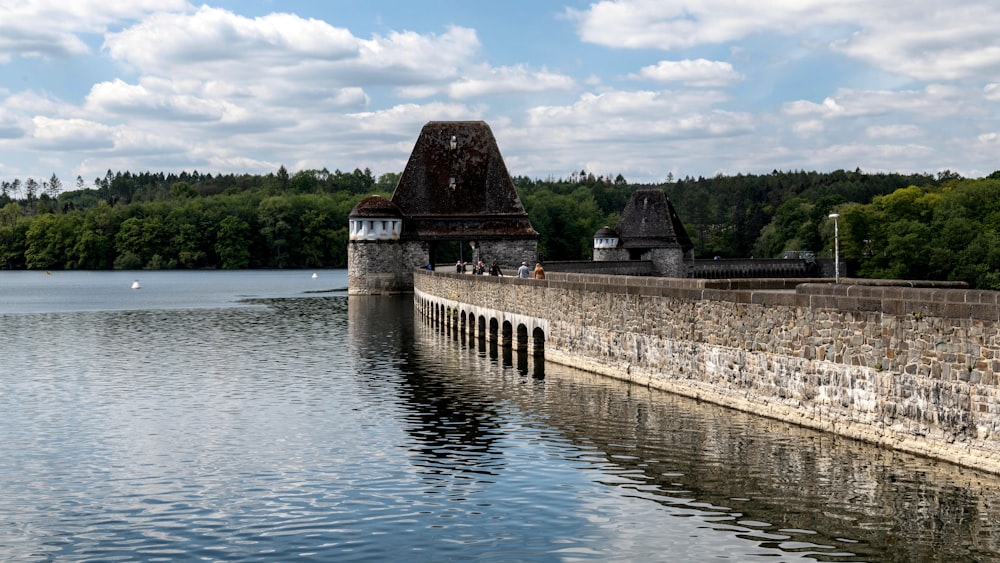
[187, 220]
[914, 226]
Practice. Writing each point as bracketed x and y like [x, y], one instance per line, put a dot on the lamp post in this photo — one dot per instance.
[836, 247]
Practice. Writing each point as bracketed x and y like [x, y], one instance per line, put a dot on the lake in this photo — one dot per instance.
[267, 416]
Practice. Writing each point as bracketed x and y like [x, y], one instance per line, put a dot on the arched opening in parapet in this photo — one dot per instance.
[494, 329]
[481, 328]
[522, 337]
[506, 334]
[538, 335]
[461, 322]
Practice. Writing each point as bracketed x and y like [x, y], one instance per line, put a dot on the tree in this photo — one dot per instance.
[31, 190]
[283, 180]
[233, 243]
[304, 182]
[182, 190]
[54, 187]
[50, 240]
[386, 183]
[277, 221]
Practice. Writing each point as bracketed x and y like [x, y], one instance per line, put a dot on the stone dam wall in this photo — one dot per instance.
[903, 366]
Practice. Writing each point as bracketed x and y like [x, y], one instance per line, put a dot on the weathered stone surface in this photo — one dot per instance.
[455, 187]
[834, 360]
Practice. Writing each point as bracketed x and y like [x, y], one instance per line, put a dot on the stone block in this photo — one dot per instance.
[984, 312]
[823, 302]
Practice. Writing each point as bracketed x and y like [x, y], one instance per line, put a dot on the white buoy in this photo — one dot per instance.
[135, 284]
[315, 275]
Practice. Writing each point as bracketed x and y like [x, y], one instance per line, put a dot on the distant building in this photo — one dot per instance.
[455, 187]
[649, 229]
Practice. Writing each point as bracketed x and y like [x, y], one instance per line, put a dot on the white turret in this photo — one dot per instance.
[375, 218]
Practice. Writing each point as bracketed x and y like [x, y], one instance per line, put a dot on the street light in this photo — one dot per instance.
[836, 247]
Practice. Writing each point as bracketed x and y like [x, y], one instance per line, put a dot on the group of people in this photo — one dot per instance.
[525, 272]
[480, 269]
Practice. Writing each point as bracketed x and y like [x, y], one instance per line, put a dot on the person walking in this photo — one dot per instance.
[539, 272]
[523, 271]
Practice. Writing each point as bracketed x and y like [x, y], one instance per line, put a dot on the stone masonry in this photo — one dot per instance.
[911, 368]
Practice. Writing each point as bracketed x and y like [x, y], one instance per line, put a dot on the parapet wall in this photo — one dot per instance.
[615, 267]
[913, 368]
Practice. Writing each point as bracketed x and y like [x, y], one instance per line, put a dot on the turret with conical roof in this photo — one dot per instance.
[649, 229]
[375, 218]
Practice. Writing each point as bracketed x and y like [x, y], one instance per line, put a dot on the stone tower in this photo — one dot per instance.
[455, 188]
[649, 229]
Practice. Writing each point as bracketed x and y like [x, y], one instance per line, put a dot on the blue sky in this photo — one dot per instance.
[642, 88]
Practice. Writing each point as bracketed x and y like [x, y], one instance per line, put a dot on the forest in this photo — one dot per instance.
[916, 226]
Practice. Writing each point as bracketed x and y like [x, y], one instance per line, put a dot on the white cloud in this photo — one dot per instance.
[406, 57]
[934, 100]
[117, 97]
[808, 127]
[902, 132]
[10, 125]
[411, 117]
[508, 80]
[646, 105]
[215, 44]
[211, 40]
[924, 39]
[697, 72]
[642, 133]
[71, 134]
[929, 40]
[992, 92]
[51, 28]
[674, 24]
[819, 85]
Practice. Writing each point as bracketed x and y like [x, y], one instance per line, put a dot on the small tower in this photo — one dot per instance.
[375, 218]
[606, 246]
[376, 261]
[649, 230]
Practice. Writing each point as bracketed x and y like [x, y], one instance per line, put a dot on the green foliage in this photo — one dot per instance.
[890, 225]
[567, 214]
[949, 231]
[184, 221]
[233, 243]
[731, 216]
[181, 190]
[49, 241]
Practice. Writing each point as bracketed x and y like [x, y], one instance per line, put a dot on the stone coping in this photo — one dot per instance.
[893, 297]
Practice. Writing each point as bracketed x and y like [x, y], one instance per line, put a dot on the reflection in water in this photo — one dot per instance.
[331, 428]
[780, 486]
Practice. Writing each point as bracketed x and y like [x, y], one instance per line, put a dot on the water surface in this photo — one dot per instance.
[266, 416]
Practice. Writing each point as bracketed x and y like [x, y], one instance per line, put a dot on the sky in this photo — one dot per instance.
[649, 89]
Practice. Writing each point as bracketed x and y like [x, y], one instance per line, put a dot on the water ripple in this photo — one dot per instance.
[333, 428]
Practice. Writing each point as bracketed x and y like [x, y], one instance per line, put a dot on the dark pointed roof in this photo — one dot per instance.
[606, 232]
[463, 192]
[375, 206]
[650, 221]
